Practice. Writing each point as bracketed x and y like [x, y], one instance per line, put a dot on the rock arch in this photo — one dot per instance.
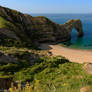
[77, 24]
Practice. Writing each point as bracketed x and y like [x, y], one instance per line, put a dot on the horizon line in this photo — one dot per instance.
[60, 13]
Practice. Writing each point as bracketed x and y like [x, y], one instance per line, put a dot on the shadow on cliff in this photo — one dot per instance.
[45, 46]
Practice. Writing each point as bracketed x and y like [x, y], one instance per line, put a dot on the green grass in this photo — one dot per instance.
[62, 77]
[55, 74]
[6, 24]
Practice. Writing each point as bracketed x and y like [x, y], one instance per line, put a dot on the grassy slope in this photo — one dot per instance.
[49, 74]
[5, 24]
[52, 75]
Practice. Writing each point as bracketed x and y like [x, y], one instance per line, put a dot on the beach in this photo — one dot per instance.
[74, 55]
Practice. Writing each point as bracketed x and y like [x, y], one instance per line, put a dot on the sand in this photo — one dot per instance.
[79, 56]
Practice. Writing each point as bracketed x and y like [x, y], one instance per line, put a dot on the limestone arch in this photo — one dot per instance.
[77, 24]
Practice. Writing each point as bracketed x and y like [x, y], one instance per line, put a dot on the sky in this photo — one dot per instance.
[49, 6]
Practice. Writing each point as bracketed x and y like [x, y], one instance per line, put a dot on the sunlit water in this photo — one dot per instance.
[79, 43]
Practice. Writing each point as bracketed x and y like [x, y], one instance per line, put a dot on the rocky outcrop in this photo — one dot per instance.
[22, 30]
[7, 59]
[88, 68]
[86, 89]
[13, 55]
[77, 24]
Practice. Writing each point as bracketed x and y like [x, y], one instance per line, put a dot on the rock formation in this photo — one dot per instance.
[7, 59]
[77, 24]
[22, 30]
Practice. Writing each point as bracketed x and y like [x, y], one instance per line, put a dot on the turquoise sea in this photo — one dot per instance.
[84, 42]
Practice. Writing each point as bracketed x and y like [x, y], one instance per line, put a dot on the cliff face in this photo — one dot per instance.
[17, 29]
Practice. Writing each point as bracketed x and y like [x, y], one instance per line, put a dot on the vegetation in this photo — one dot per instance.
[8, 41]
[55, 75]
[6, 24]
[30, 88]
[48, 74]
[42, 73]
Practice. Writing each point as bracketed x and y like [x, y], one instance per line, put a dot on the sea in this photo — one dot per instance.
[84, 42]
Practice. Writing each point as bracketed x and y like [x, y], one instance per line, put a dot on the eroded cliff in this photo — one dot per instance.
[22, 30]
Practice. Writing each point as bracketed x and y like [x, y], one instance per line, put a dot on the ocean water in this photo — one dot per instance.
[84, 42]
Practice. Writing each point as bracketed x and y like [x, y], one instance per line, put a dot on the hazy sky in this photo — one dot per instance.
[49, 6]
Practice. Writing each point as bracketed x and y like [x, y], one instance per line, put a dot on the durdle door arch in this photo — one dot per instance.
[77, 24]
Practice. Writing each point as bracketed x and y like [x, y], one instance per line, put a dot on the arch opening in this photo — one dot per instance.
[74, 33]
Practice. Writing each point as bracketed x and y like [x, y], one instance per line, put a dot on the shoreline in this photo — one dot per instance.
[74, 48]
[74, 55]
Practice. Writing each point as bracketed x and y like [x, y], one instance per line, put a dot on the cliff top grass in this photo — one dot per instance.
[52, 73]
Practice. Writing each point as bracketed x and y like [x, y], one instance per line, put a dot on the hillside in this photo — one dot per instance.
[22, 61]
[22, 30]
[47, 74]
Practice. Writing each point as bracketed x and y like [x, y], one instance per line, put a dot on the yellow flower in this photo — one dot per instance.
[65, 84]
[11, 89]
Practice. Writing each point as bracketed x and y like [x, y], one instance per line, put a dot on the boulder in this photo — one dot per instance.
[85, 89]
[7, 59]
[88, 68]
